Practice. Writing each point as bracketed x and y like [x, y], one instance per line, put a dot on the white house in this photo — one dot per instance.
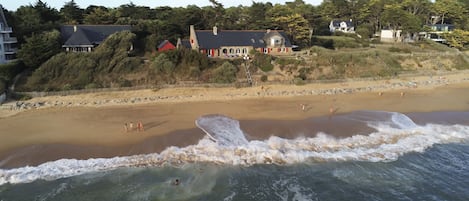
[7, 43]
[436, 32]
[342, 26]
[391, 36]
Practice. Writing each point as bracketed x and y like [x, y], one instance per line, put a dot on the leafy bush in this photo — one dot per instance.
[400, 50]
[264, 78]
[10, 70]
[334, 42]
[226, 73]
[39, 48]
[109, 62]
[298, 81]
[263, 62]
[162, 64]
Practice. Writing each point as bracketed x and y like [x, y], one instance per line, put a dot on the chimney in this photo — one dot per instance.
[74, 28]
[215, 30]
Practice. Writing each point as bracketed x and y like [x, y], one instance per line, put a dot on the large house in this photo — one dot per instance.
[84, 38]
[7, 43]
[436, 32]
[342, 26]
[237, 43]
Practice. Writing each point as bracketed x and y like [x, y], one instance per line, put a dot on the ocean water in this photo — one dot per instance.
[398, 160]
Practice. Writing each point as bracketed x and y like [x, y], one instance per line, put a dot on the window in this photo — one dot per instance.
[245, 50]
[231, 50]
[238, 50]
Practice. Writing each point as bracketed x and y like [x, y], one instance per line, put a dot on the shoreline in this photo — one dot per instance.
[33, 136]
[197, 94]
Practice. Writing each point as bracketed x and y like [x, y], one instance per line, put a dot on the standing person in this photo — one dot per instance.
[131, 126]
[140, 125]
[126, 129]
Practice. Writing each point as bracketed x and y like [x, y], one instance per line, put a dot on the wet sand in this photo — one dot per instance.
[36, 136]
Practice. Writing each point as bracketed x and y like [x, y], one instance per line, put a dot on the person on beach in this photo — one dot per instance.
[303, 107]
[140, 126]
[126, 129]
[131, 126]
[175, 182]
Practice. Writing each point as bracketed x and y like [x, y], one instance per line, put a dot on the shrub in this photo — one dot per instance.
[264, 78]
[162, 64]
[263, 62]
[226, 73]
[298, 81]
[343, 41]
[399, 50]
[10, 70]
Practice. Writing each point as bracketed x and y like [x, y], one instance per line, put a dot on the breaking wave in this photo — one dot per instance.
[226, 144]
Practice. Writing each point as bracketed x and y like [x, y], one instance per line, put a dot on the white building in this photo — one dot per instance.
[391, 36]
[7, 43]
[342, 26]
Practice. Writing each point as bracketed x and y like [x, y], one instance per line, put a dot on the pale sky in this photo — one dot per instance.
[12, 5]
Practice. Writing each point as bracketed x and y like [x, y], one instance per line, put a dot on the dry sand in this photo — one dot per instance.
[37, 135]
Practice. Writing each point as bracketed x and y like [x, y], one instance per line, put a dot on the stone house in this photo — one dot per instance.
[217, 43]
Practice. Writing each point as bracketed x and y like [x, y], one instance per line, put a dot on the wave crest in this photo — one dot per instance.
[226, 144]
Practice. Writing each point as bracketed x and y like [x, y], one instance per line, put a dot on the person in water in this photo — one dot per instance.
[176, 182]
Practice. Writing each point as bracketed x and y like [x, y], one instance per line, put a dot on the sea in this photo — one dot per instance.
[416, 156]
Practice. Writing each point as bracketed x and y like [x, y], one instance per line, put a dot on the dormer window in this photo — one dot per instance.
[276, 41]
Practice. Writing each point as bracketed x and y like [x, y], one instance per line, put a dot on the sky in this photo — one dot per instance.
[12, 5]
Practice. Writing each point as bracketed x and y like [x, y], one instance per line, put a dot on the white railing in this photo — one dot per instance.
[11, 50]
[10, 39]
[6, 29]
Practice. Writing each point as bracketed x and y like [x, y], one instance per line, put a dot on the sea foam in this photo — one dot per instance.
[226, 144]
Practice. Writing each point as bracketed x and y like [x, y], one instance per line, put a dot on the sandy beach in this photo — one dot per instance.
[92, 125]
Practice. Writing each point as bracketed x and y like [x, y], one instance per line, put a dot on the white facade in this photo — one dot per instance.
[342, 26]
[391, 36]
[7, 43]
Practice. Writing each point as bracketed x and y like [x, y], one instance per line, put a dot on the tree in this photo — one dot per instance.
[458, 38]
[296, 26]
[47, 13]
[39, 48]
[34, 19]
[71, 13]
[256, 15]
[447, 10]
[101, 16]
[371, 13]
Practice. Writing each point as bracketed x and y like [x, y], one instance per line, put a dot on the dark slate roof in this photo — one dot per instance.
[78, 38]
[186, 43]
[89, 34]
[336, 23]
[207, 40]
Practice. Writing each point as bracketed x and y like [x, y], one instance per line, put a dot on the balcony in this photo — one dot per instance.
[6, 29]
[10, 40]
[11, 50]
